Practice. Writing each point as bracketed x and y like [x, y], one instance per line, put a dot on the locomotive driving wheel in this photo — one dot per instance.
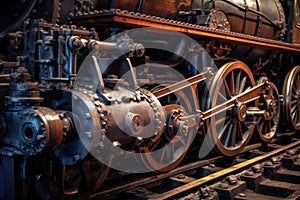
[169, 150]
[270, 102]
[291, 94]
[231, 129]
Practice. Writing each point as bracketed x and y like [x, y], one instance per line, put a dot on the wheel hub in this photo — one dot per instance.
[240, 112]
[271, 107]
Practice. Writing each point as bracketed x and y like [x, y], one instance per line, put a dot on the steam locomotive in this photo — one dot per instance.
[83, 91]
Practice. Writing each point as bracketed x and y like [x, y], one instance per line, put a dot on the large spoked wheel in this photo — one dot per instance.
[291, 94]
[171, 148]
[270, 102]
[230, 130]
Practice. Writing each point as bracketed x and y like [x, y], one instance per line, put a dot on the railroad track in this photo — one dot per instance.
[256, 172]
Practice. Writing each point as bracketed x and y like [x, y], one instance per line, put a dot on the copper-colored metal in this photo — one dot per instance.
[131, 20]
[269, 122]
[254, 17]
[151, 7]
[291, 94]
[182, 84]
[217, 19]
[296, 23]
[230, 129]
[178, 144]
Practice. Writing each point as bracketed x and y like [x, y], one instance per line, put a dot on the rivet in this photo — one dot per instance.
[223, 185]
[256, 168]
[88, 115]
[242, 195]
[249, 173]
[76, 157]
[180, 176]
[39, 137]
[268, 164]
[212, 165]
[274, 160]
[291, 152]
[232, 180]
[89, 135]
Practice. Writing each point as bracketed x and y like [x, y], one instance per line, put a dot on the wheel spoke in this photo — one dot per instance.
[239, 135]
[163, 155]
[172, 153]
[295, 96]
[271, 95]
[238, 81]
[179, 139]
[155, 145]
[298, 81]
[294, 102]
[223, 132]
[243, 84]
[260, 122]
[228, 93]
[246, 127]
[294, 109]
[227, 138]
[269, 126]
[222, 120]
[222, 97]
[294, 88]
[232, 80]
[247, 88]
[233, 135]
[294, 115]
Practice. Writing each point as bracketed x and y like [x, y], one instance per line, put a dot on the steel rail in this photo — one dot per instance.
[109, 193]
[200, 182]
[155, 178]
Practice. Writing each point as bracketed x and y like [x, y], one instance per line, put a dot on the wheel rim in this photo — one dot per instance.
[291, 92]
[229, 131]
[174, 148]
[267, 128]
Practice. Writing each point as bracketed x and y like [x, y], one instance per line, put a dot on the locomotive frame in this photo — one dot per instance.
[47, 143]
